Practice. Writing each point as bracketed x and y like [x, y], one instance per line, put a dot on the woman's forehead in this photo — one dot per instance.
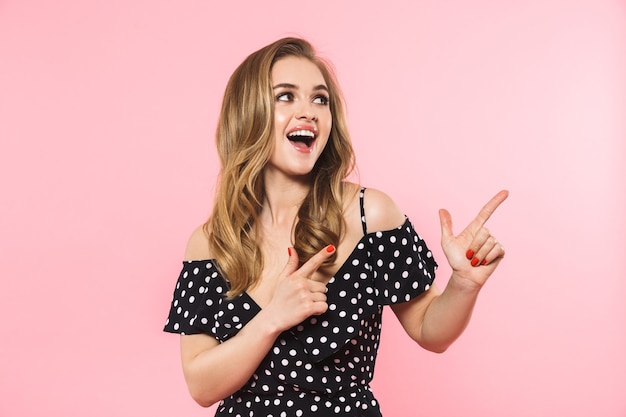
[298, 71]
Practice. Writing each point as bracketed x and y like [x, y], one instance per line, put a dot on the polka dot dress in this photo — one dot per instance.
[324, 365]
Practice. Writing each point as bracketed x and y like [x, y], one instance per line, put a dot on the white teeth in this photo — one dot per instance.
[306, 133]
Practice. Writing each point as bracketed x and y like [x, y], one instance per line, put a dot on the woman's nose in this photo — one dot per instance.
[306, 112]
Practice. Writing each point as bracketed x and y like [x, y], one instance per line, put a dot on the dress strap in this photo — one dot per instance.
[362, 203]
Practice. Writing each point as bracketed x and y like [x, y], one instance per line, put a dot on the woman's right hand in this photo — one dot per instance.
[297, 294]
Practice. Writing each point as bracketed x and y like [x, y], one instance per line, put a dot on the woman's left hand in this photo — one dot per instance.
[475, 253]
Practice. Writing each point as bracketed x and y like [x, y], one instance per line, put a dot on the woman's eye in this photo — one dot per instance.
[321, 100]
[284, 97]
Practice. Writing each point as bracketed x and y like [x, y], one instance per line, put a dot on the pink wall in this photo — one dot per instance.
[107, 112]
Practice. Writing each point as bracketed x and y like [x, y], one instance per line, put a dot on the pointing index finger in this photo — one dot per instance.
[310, 266]
[488, 209]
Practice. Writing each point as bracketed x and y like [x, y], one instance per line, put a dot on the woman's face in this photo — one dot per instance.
[302, 118]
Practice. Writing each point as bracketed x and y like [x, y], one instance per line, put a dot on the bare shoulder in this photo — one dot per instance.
[381, 212]
[198, 245]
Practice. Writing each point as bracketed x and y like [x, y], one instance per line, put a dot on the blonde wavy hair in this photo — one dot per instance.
[245, 140]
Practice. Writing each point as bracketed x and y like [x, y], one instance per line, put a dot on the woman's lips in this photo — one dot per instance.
[302, 138]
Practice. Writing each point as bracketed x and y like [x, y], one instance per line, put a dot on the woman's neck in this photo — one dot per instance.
[283, 198]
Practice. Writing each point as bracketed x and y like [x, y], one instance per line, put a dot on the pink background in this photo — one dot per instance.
[107, 114]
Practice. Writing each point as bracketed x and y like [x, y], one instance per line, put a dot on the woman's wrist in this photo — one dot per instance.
[459, 282]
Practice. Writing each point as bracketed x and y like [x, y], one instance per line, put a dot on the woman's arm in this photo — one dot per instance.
[436, 319]
[215, 370]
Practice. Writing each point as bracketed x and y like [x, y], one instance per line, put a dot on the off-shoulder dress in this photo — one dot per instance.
[324, 365]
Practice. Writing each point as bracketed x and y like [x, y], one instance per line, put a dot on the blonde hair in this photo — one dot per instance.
[245, 142]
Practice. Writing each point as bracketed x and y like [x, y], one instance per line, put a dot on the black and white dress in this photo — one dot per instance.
[324, 365]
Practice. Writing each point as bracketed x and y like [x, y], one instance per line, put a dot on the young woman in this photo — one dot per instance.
[280, 298]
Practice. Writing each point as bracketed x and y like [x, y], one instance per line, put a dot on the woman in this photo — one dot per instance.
[280, 298]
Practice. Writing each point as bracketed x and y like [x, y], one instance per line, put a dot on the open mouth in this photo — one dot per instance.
[302, 139]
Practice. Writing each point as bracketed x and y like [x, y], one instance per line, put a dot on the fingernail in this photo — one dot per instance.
[469, 254]
[330, 248]
[484, 262]
[289, 251]
[475, 261]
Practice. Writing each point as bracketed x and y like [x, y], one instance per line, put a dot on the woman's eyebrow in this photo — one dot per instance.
[320, 87]
[286, 85]
[295, 87]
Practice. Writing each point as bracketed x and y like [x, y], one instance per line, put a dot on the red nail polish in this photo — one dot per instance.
[484, 262]
[475, 261]
[289, 251]
[330, 248]
[469, 254]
